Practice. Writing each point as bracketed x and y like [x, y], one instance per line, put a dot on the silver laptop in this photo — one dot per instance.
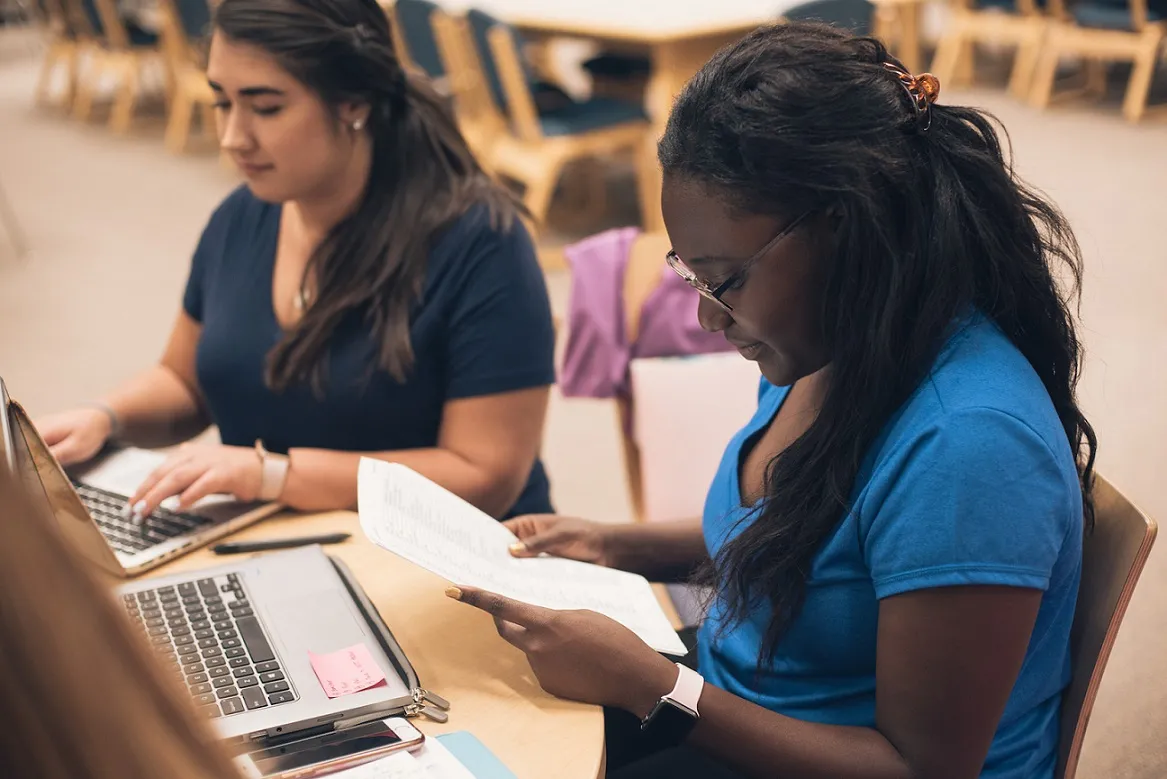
[240, 636]
[95, 495]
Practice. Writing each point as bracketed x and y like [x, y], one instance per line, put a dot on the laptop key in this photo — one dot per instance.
[276, 687]
[240, 604]
[243, 670]
[246, 681]
[220, 671]
[236, 651]
[158, 631]
[230, 643]
[181, 630]
[223, 681]
[203, 700]
[194, 668]
[255, 698]
[151, 613]
[173, 613]
[198, 678]
[189, 660]
[214, 662]
[213, 651]
[271, 676]
[201, 688]
[252, 633]
[225, 634]
[206, 633]
[208, 642]
[281, 697]
[239, 662]
[270, 665]
[187, 650]
[207, 587]
[183, 640]
[232, 705]
[186, 588]
[227, 692]
[161, 638]
[155, 622]
[224, 624]
[242, 613]
[200, 624]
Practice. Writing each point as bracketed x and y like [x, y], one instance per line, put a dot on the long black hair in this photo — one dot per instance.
[928, 226]
[423, 174]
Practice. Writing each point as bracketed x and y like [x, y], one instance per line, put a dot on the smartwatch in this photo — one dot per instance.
[273, 473]
[675, 714]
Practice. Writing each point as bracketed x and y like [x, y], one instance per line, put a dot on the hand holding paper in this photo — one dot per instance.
[407, 514]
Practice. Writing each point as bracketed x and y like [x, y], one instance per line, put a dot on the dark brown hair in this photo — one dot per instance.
[423, 175]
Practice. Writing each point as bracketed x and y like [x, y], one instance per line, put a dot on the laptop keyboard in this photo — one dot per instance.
[209, 637]
[108, 511]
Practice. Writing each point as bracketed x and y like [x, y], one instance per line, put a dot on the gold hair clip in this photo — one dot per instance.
[922, 91]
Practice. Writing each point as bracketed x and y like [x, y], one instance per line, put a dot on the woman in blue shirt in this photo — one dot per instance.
[894, 540]
[369, 291]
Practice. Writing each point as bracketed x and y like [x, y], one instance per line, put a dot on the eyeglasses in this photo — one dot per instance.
[714, 293]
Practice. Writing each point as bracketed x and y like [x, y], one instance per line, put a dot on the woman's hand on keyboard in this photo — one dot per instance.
[75, 436]
[196, 471]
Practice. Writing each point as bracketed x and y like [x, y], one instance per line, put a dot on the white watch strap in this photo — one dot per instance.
[687, 691]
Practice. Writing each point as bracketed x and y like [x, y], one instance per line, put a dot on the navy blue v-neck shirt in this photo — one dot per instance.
[482, 326]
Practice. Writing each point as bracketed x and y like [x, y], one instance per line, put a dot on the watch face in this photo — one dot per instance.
[668, 725]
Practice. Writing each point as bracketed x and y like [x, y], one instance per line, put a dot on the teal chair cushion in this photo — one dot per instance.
[594, 114]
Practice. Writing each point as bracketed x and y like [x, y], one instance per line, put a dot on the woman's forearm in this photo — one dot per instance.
[156, 408]
[761, 743]
[324, 480]
[659, 551]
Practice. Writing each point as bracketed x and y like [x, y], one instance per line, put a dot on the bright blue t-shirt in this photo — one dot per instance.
[971, 482]
[482, 326]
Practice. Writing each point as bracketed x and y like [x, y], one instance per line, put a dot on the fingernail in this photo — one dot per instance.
[139, 511]
[517, 547]
[454, 592]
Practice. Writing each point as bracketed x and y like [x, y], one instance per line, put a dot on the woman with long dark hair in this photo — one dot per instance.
[894, 540]
[369, 291]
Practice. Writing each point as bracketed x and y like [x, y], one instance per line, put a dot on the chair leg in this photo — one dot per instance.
[207, 112]
[45, 79]
[1024, 63]
[966, 63]
[947, 58]
[1095, 84]
[537, 198]
[1135, 102]
[122, 114]
[178, 123]
[87, 84]
[1042, 84]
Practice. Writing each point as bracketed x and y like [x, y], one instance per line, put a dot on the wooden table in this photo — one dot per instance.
[678, 36]
[457, 654]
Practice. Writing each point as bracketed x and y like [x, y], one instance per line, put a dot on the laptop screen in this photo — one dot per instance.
[26, 455]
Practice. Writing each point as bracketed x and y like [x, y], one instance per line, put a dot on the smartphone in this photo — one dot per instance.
[324, 754]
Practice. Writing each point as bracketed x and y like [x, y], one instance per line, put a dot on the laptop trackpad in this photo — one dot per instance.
[322, 623]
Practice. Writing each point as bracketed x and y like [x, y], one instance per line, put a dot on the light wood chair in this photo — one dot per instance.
[1100, 32]
[1113, 557]
[536, 146]
[1017, 23]
[122, 51]
[480, 121]
[63, 48]
[186, 25]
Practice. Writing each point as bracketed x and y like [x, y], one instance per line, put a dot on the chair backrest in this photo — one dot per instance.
[853, 15]
[506, 71]
[107, 23]
[414, 21]
[1113, 556]
[478, 116]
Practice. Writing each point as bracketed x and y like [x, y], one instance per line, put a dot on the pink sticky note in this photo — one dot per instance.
[347, 670]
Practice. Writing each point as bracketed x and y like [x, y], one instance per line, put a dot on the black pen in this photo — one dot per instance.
[242, 547]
